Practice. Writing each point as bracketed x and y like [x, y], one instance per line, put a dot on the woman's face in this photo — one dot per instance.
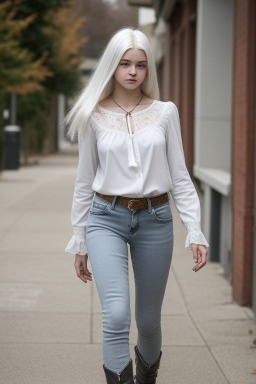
[132, 69]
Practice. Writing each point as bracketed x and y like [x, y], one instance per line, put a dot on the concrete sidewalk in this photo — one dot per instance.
[50, 322]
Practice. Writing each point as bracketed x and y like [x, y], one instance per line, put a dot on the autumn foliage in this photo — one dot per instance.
[28, 64]
[66, 40]
[18, 71]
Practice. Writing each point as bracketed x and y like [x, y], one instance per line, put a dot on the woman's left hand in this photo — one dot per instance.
[199, 255]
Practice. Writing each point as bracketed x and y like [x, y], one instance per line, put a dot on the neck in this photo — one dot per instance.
[126, 98]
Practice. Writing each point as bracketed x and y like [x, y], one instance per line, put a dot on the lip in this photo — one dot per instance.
[131, 80]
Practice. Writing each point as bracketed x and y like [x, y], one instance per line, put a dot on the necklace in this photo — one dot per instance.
[127, 112]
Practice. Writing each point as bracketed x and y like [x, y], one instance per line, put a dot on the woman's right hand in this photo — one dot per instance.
[81, 268]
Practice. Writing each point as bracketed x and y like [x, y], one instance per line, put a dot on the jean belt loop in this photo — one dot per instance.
[114, 202]
[149, 205]
[93, 198]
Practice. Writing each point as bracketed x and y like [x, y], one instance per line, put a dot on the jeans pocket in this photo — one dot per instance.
[162, 213]
[98, 208]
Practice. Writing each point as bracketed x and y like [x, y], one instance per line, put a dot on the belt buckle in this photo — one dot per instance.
[130, 203]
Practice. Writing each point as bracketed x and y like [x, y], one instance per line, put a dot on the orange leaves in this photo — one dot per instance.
[67, 39]
[18, 71]
[31, 78]
[21, 71]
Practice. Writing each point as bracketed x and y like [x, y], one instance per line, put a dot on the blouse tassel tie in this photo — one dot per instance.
[131, 156]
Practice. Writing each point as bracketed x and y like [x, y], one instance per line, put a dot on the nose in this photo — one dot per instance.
[133, 70]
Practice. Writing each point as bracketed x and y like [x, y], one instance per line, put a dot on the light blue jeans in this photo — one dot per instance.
[149, 232]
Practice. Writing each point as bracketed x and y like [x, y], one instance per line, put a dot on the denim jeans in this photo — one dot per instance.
[149, 232]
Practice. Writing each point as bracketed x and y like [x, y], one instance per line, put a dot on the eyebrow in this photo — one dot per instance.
[141, 61]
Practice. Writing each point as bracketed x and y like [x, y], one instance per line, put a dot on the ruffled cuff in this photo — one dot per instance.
[195, 235]
[77, 244]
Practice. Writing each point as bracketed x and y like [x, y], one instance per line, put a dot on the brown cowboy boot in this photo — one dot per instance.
[145, 374]
[124, 377]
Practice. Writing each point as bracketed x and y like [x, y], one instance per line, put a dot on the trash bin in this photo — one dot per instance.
[11, 149]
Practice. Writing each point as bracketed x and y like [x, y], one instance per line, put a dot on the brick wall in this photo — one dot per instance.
[243, 131]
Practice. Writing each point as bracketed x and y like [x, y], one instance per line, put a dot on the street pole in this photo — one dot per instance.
[13, 108]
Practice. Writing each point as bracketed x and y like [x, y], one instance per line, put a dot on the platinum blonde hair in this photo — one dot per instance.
[101, 82]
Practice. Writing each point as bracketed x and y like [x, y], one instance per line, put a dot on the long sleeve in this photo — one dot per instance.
[184, 193]
[83, 192]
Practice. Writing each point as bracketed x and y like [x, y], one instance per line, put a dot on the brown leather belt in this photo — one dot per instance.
[133, 204]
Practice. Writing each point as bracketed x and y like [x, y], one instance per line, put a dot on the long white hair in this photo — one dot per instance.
[101, 82]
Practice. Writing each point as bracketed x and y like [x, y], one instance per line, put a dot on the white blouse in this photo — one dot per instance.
[148, 162]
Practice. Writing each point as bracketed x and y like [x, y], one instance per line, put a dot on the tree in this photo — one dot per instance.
[66, 50]
[19, 72]
[39, 56]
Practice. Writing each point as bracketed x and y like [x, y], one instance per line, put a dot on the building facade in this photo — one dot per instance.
[208, 70]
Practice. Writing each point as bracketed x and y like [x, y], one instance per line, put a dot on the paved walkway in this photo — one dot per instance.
[50, 322]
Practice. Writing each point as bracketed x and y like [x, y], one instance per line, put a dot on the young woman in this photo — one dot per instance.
[130, 160]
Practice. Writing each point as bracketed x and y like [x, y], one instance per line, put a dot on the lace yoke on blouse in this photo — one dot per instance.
[142, 119]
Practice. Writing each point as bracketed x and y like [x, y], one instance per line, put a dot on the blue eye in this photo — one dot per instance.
[140, 66]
